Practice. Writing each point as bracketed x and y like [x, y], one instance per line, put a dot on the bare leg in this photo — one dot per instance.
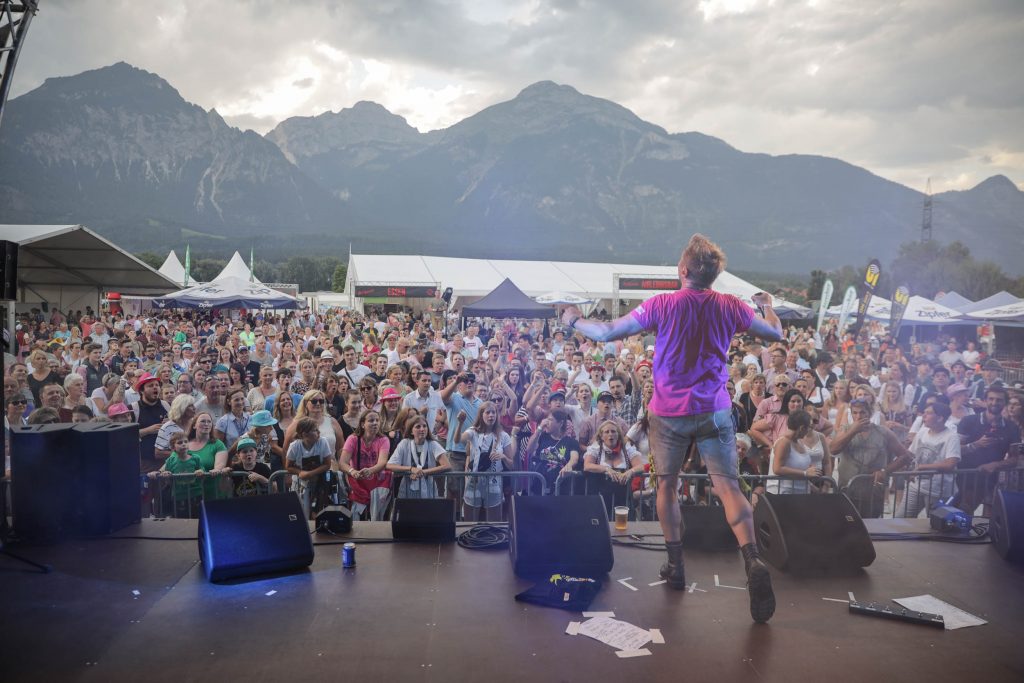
[668, 508]
[737, 508]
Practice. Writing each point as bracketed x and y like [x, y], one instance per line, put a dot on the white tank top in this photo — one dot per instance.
[327, 433]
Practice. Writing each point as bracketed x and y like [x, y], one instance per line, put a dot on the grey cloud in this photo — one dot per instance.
[901, 88]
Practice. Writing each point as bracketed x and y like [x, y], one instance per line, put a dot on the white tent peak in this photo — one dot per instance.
[237, 268]
[173, 269]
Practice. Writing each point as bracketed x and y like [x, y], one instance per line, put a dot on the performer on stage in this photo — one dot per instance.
[693, 328]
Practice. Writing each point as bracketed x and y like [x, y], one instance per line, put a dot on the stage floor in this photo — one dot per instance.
[141, 610]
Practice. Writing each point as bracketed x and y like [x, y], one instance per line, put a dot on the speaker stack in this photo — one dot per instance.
[1007, 525]
[560, 535]
[804, 533]
[74, 480]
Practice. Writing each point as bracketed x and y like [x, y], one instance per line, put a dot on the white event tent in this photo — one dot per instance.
[471, 279]
[173, 269]
[920, 311]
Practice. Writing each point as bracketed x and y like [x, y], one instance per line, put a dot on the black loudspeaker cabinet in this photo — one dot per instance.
[107, 460]
[1007, 525]
[9, 271]
[806, 533]
[560, 535]
[253, 535]
[423, 519]
[706, 528]
[43, 482]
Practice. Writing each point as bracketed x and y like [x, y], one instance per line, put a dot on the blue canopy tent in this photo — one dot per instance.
[228, 292]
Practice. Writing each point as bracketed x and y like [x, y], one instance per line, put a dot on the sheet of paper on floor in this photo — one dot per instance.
[953, 616]
[619, 634]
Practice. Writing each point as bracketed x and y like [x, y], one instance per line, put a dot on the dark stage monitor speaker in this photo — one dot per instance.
[253, 535]
[423, 519]
[805, 533]
[108, 485]
[9, 267]
[706, 528]
[1007, 525]
[43, 482]
[560, 535]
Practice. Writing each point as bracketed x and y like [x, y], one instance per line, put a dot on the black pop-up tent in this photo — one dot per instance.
[507, 301]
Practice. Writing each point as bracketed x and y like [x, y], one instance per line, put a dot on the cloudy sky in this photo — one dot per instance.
[909, 89]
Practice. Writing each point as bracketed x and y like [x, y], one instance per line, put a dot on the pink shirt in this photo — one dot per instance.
[693, 329]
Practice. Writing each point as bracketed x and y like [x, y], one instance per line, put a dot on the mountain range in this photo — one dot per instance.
[550, 174]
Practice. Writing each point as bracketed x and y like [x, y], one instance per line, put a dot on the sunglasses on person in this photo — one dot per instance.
[18, 402]
[366, 388]
[317, 401]
[782, 384]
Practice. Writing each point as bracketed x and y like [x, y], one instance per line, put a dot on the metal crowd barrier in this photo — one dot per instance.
[500, 487]
[913, 493]
[694, 489]
[176, 495]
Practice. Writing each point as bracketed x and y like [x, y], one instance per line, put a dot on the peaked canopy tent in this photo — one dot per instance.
[997, 300]
[507, 301]
[953, 300]
[236, 268]
[228, 292]
[173, 269]
[70, 267]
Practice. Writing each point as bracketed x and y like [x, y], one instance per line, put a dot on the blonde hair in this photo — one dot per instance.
[704, 260]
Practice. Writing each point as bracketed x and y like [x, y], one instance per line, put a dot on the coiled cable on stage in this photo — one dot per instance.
[484, 537]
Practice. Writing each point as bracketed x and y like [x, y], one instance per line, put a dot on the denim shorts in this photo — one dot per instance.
[714, 434]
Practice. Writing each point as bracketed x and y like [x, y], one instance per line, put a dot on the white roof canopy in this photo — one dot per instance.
[477, 277]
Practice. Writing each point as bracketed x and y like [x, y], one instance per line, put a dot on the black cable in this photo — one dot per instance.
[484, 537]
[638, 541]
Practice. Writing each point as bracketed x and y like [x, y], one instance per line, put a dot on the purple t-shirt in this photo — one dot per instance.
[693, 329]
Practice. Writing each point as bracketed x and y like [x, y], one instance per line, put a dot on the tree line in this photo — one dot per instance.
[310, 273]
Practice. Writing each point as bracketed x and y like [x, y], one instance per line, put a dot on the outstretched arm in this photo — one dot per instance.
[616, 329]
[769, 327]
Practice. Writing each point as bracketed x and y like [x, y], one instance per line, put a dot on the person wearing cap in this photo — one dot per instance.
[959, 404]
[150, 413]
[257, 473]
[552, 451]
[250, 367]
[390, 415]
[603, 412]
[989, 378]
[119, 412]
[262, 433]
[460, 401]
[694, 327]
[950, 355]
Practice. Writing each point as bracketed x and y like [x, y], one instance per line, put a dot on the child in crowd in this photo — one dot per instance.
[309, 457]
[185, 495]
[258, 473]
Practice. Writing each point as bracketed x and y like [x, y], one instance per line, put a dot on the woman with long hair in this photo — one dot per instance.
[768, 429]
[284, 413]
[489, 448]
[364, 459]
[610, 463]
[801, 453]
[839, 402]
[211, 452]
[314, 405]
[391, 416]
[895, 414]
[417, 457]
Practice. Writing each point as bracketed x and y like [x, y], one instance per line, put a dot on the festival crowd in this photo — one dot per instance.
[363, 408]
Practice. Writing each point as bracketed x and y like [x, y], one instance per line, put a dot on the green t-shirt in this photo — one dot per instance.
[206, 457]
[184, 489]
[180, 337]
